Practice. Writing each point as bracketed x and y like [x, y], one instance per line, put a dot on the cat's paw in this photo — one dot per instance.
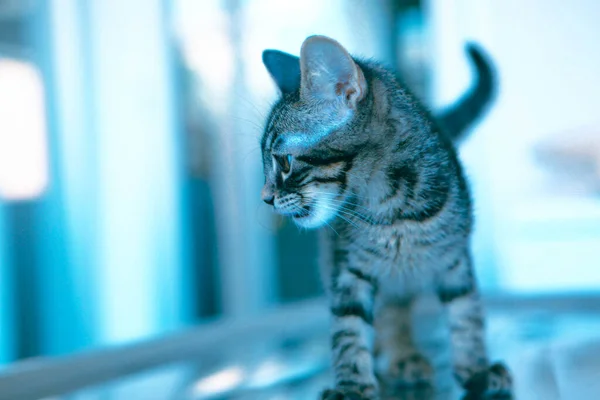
[408, 372]
[492, 383]
[352, 393]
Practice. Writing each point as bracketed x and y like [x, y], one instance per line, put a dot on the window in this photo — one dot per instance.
[23, 140]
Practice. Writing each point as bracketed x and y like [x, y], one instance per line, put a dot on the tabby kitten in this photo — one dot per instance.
[348, 149]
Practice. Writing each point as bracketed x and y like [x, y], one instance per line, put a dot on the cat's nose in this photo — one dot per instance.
[268, 199]
[267, 195]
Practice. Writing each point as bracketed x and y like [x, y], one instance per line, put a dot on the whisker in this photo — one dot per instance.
[253, 124]
[321, 220]
[261, 222]
[347, 219]
[336, 200]
[341, 207]
[352, 194]
[301, 211]
[260, 114]
[343, 203]
[327, 223]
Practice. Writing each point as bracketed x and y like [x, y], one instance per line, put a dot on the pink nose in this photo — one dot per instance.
[267, 194]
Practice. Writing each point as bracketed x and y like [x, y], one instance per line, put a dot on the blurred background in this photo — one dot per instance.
[130, 164]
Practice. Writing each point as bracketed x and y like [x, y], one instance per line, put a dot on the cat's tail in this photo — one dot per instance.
[459, 117]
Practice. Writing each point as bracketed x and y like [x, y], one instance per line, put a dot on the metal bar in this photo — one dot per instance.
[40, 378]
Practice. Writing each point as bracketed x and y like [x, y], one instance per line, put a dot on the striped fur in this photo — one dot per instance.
[372, 169]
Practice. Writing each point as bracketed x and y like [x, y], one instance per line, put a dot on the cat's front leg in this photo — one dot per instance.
[351, 298]
[458, 291]
[471, 366]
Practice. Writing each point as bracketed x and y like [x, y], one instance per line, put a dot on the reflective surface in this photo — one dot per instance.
[553, 351]
[552, 346]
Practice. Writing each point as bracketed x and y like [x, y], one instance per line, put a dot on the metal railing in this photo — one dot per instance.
[45, 377]
[210, 344]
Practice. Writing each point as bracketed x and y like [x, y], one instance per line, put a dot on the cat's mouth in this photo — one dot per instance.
[303, 213]
[314, 214]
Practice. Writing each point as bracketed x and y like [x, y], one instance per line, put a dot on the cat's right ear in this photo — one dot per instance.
[284, 68]
[329, 73]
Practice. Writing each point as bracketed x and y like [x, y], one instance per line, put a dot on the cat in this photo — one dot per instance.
[349, 150]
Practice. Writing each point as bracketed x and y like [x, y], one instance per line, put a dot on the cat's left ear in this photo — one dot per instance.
[329, 73]
[284, 69]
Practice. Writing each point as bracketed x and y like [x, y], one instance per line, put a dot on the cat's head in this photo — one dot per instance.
[306, 147]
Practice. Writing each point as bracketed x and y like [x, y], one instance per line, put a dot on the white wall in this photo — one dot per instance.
[548, 61]
[119, 159]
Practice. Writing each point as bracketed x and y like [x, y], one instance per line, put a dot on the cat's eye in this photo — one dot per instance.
[285, 163]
